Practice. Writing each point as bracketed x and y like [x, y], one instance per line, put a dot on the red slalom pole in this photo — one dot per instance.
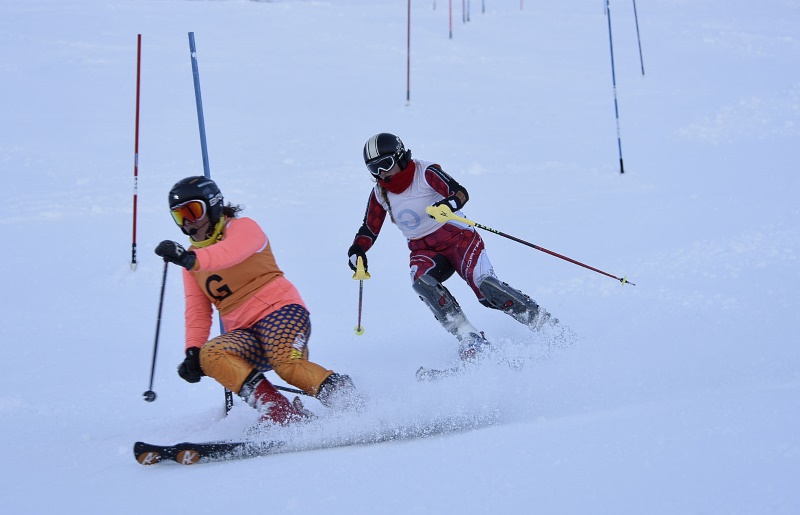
[451, 19]
[136, 147]
[408, 56]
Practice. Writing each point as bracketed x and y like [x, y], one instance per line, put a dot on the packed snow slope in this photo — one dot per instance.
[678, 395]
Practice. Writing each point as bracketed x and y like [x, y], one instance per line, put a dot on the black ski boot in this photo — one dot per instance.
[338, 392]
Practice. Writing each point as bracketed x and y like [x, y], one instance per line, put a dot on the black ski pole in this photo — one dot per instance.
[444, 214]
[291, 390]
[150, 395]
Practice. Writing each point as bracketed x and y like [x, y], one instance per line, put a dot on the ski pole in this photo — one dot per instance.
[291, 390]
[150, 395]
[361, 275]
[444, 214]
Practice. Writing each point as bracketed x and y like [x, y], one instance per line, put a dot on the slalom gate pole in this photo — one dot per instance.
[136, 148]
[199, 101]
[408, 56]
[150, 395]
[451, 19]
[444, 214]
[638, 38]
[614, 82]
[206, 168]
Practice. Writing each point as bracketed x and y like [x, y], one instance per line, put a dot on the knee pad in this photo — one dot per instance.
[500, 295]
[443, 305]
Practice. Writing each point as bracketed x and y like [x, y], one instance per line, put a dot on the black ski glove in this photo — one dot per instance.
[451, 202]
[190, 369]
[355, 252]
[174, 253]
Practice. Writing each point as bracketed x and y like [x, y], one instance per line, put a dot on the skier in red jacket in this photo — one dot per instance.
[230, 266]
[404, 188]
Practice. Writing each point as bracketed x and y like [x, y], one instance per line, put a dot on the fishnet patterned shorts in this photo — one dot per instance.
[279, 337]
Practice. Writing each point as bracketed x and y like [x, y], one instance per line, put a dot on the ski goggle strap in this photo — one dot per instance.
[190, 211]
[380, 164]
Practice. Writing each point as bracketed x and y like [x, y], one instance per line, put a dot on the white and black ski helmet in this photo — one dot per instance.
[382, 151]
[198, 188]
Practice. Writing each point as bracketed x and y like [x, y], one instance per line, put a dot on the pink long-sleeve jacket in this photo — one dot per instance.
[239, 276]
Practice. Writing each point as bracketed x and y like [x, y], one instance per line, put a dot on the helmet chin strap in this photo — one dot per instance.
[215, 235]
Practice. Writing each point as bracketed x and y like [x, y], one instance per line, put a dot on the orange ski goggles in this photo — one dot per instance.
[190, 211]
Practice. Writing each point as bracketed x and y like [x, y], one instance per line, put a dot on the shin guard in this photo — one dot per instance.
[444, 306]
[523, 309]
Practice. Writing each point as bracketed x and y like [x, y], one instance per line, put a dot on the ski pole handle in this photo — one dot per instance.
[443, 214]
[361, 272]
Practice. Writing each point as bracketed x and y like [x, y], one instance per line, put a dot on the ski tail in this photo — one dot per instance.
[189, 453]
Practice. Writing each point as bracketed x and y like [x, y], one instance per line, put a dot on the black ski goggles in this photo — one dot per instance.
[380, 164]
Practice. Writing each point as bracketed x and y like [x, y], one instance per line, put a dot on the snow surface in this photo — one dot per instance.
[678, 395]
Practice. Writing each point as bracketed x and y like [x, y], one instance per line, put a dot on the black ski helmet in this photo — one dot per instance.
[198, 188]
[384, 145]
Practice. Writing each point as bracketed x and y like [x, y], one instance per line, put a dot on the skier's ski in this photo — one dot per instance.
[189, 453]
[427, 374]
[437, 374]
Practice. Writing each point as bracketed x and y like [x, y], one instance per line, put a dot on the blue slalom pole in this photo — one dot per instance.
[206, 169]
[199, 101]
[638, 38]
[614, 82]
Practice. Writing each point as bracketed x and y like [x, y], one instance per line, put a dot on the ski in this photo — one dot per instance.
[428, 374]
[189, 453]
[425, 374]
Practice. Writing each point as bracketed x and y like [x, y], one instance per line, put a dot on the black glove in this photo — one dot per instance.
[450, 202]
[190, 369]
[173, 252]
[355, 252]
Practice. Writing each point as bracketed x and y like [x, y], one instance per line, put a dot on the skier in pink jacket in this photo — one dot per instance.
[404, 188]
[230, 266]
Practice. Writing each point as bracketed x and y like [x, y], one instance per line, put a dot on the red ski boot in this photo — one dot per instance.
[259, 393]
